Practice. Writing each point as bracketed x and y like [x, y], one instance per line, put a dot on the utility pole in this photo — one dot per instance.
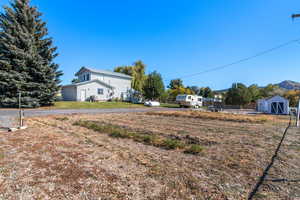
[298, 109]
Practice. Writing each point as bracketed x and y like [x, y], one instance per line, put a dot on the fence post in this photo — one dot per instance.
[298, 114]
[20, 112]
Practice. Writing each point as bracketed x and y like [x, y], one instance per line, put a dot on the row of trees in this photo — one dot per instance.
[151, 86]
[27, 58]
[240, 94]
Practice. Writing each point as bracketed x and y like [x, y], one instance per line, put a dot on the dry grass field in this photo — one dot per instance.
[157, 155]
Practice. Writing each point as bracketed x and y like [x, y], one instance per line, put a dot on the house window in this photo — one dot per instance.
[100, 91]
[88, 77]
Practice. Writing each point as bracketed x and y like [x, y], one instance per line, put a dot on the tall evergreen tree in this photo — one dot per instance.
[26, 57]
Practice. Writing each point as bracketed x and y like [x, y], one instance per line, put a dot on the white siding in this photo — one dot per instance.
[265, 105]
[121, 85]
[87, 88]
[91, 89]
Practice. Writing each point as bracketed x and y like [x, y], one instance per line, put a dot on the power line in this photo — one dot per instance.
[242, 60]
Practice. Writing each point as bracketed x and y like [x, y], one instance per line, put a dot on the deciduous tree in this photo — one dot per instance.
[176, 83]
[238, 94]
[154, 86]
[137, 71]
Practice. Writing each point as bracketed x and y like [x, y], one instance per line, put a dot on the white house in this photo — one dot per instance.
[102, 84]
[274, 105]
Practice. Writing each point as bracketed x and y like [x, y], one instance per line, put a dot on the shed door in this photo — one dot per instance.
[274, 108]
[82, 95]
[280, 108]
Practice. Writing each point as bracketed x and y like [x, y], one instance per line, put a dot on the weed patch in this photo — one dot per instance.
[194, 149]
[172, 144]
[260, 119]
[141, 137]
[62, 118]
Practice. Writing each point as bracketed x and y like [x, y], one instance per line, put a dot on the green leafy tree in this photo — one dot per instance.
[293, 97]
[238, 94]
[154, 87]
[137, 71]
[128, 70]
[26, 58]
[269, 90]
[139, 76]
[195, 89]
[206, 92]
[176, 83]
[255, 92]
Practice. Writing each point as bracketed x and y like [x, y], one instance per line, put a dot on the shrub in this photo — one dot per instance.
[142, 137]
[172, 144]
[117, 134]
[194, 149]
[62, 118]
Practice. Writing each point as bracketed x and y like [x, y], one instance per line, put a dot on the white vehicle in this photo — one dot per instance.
[152, 103]
[185, 100]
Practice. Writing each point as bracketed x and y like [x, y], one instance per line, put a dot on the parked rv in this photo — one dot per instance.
[185, 100]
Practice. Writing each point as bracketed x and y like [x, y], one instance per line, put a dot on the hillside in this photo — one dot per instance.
[289, 85]
[285, 85]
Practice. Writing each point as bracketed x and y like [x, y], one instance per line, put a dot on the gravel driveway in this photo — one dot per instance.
[8, 117]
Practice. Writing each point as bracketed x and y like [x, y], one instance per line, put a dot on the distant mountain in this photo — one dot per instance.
[289, 85]
[284, 85]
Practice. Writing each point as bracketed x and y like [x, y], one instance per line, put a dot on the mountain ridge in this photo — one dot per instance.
[285, 85]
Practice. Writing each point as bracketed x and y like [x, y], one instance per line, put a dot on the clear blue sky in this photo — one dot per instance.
[177, 37]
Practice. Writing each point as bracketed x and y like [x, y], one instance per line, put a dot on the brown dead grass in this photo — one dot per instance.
[54, 159]
[261, 118]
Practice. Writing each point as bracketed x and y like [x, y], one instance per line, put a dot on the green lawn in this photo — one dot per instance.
[93, 105]
[169, 105]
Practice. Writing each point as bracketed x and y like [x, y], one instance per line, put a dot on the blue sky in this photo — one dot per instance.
[177, 37]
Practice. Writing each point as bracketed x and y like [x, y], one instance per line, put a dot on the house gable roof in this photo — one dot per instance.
[87, 82]
[100, 71]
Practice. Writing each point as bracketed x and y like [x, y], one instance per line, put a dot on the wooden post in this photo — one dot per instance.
[20, 111]
[298, 115]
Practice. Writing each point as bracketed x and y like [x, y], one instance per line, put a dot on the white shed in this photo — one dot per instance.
[274, 105]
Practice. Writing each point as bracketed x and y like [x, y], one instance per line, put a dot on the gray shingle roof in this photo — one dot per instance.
[100, 71]
[86, 82]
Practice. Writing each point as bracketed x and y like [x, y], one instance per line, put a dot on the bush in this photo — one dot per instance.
[118, 134]
[172, 144]
[194, 149]
[141, 137]
[92, 98]
[62, 118]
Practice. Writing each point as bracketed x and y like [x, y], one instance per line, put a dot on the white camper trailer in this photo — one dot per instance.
[185, 100]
